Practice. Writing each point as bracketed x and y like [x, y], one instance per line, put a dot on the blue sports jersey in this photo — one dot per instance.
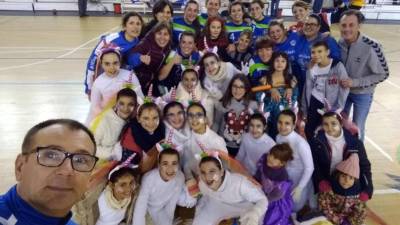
[234, 30]
[15, 211]
[115, 40]
[179, 25]
[260, 28]
[203, 19]
[257, 70]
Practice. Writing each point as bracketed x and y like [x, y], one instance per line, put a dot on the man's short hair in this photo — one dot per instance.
[70, 124]
[356, 13]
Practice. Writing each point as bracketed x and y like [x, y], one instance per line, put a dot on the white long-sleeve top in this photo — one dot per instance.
[107, 133]
[159, 198]
[201, 95]
[235, 197]
[218, 88]
[109, 215]
[252, 149]
[105, 88]
[178, 137]
[210, 140]
[301, 167]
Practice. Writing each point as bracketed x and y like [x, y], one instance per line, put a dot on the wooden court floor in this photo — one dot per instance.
[42, 63]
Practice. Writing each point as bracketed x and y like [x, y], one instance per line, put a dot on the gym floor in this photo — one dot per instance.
[42, 64]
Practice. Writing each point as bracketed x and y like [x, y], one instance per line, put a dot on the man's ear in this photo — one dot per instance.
[19, 164]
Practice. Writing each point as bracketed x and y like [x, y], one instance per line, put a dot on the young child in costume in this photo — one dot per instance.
[272, 175]
[335, 143]
[141, 135]
[116, 201]
[161, 190]
[125, 40]
[227, 195]
[216, 74]
[322, 87]
[255, 143]
[213, 35]
[190, 90]
[106, 86]
[176, 132]
[201, 138]
[183, 57]
[112, 201]
[283, 93]
[108, 128]
[342, 201]
[300, 169]
[233, 111]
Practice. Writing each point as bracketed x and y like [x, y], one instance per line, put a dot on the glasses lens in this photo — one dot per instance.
[83, 162]
[50, 157]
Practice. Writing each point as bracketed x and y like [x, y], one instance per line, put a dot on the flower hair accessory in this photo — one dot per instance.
[125, 164]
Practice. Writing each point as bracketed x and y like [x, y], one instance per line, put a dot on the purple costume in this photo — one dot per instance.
[277, 186]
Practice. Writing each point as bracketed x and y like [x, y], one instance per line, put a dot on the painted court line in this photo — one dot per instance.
[393, 84]
[61, 56]
[377, 147]
[386, 191]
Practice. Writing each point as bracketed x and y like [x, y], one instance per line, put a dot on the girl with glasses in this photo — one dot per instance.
[233, 112]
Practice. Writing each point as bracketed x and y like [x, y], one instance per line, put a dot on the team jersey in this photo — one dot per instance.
[260, 28]
[234, 30]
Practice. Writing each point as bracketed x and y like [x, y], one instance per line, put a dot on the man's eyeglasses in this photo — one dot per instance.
[53, 157]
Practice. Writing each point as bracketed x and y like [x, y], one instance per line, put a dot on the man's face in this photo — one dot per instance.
[53, 190]
[349, 28]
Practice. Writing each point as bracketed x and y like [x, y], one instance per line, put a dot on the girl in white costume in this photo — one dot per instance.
[300, 169]
[110, 82]
[190, 90]
[161, 190]
[216, 74]
[108, 129]
[227, 195]
[255, 143]
[201, 137]
[176, 133]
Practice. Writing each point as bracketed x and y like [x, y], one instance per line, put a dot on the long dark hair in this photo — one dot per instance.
[226, 99]
[286, 75]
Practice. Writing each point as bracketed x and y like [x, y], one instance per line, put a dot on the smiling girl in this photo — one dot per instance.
[148, 56]
[125, 40]
[109, 128]
[227, 195]
[233, 112]
[141, 136]
[110, 82]
[162, 189]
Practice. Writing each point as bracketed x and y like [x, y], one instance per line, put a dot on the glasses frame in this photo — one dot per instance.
[66, 155]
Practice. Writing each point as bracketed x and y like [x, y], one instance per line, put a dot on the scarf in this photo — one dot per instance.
[143, 138]
[352, 191]
[113, 202]
[274, 174]
[183, 95]
[221, 74]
